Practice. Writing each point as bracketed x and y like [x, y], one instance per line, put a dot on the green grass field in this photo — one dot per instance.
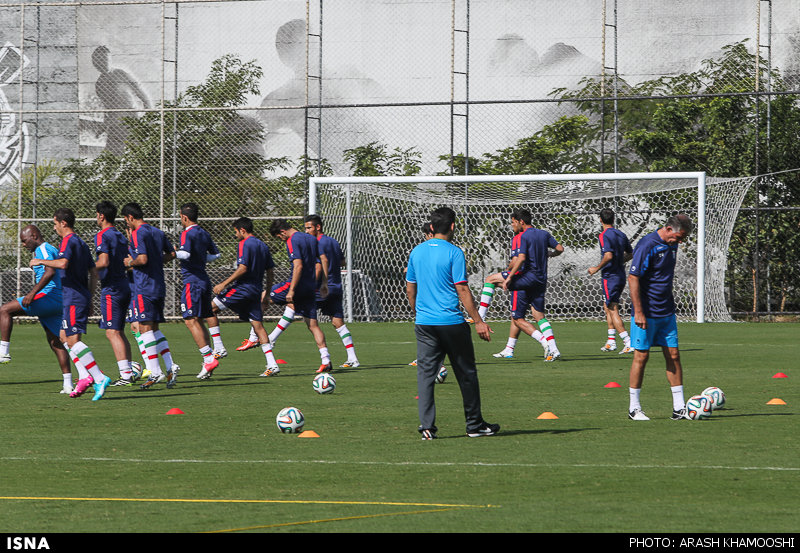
[123, 465]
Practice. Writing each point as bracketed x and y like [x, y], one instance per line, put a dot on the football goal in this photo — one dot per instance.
[378, 220]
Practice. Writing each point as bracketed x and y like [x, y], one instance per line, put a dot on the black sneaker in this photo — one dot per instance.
[679, 414]
[427, 433]
[486, 429]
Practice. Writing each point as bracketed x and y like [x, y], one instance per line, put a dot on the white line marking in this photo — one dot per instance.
[400, 463]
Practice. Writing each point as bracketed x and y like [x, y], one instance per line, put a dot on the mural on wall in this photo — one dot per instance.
[13, 135]
[116, 89]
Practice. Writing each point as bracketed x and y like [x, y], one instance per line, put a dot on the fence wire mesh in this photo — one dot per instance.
[233, 104]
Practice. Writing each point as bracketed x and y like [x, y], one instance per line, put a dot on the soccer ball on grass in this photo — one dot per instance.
[290, 420]
[324, 383]
[698, 408]
[716, 396]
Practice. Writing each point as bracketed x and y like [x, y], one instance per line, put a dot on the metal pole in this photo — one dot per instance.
[349, 239]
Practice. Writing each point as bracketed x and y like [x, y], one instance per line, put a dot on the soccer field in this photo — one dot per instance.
[123, 464]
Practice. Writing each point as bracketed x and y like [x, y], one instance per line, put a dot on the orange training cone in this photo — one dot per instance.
[308, 434]
[280, 361]
[175, 411]
[612, 385]
[776, 401]
[780, 375]
[547, 415]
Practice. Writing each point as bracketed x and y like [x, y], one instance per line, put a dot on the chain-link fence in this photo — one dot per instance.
[234, 104]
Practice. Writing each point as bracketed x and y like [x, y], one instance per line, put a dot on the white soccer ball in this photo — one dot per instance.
[716, 396]
[290, 420]
[324, 383]
[698, 407]
[441, 375]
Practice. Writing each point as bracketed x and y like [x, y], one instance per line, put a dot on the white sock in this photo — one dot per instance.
[539, 337]
[547, 330]
[625, 338]
[162, 345]
[612, 335]
[4, 347]
[678, 401]
[283, 323]
[124, 369]
[67, 380]
[511, 343]
[347, 340]
[253, 336]
[634, 399]
[151, 354]
[267, 349]
[82, 372]
[207, 353]
[487, 294]
[324, 357]
[216, 337]
[85, 357]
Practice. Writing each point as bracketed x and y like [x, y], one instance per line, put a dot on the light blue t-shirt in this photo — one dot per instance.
[436, 266]
[52, 288]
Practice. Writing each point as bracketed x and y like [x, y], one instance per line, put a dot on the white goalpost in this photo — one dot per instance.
[378, 220]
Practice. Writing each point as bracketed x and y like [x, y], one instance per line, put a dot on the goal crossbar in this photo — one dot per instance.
[348, 184]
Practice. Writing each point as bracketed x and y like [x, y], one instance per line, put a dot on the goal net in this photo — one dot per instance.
[378, 221]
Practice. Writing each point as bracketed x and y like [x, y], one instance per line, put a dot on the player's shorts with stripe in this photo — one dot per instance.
[244, 302]
[114, 305]
[331, 305]
[47, 308]
[75, 316]
[147, 309]
[522, 300]
[612, 288]
[196, 300]
[305, 302]
[660, 331]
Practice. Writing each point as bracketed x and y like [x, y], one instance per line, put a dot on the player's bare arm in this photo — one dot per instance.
[608, 257]
[237, 274]
[636, 300]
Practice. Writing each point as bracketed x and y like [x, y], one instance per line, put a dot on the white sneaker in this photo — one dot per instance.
[638, 415]
[610, 346]
[172, 375]
[66, 390]
[5, 358]
[350, 364]
[220, 353]
[505, 354]
[552, 356]
[270, 371]
[626, 349]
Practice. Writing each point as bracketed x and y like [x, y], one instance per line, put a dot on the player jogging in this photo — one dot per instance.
[42, 301]
[654, 322]
[195, 250]
[331, 305]
[616, 251]
[526, 279]
[436, 280]
[74, 264]
[242, 291]
[111, 249]
[150, 249]
[300, 291]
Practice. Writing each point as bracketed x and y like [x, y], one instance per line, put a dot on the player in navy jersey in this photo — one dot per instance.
[150, 249]
[42, 301]
[195, 250]
[300, 291]
[111, 249]
[242, 291]
[74, 263]
[331, 261]
[654, 323]
[526, 279]
[616, 250]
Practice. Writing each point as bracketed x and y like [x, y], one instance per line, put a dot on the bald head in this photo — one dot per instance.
[31, 237]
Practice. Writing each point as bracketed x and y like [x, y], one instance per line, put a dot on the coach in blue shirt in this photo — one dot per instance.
[654, 323]
[436, 280]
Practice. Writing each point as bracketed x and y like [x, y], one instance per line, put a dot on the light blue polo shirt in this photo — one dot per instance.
[436, 266]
